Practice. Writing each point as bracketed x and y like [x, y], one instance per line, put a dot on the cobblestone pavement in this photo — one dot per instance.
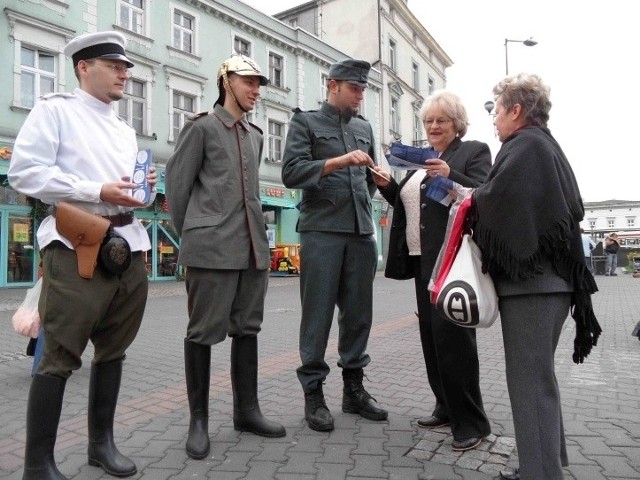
[601, 399]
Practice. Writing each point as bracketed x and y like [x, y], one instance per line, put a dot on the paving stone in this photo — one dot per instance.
[368, 466]
[601, 399]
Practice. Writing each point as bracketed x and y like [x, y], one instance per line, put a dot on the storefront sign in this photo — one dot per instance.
[274, 192]
[21, 232]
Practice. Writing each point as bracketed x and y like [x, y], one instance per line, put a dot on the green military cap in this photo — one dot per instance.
[352, 71]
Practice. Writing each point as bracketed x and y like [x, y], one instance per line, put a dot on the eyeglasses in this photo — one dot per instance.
[439, 122]
[116, 68]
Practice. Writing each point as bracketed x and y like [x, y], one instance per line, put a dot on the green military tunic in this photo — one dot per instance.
[338, 250]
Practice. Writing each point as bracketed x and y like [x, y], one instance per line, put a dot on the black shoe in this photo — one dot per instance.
[465, 444]
[355, 399]
[614, 274]
[432, 422]
[316, 412]
[510, 474]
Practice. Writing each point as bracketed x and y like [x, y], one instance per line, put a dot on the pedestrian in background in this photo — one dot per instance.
[417, 232]
[74, 148]
[587, 245]
[528, 215]
[327, 153]
[214, 200]
[611, 247]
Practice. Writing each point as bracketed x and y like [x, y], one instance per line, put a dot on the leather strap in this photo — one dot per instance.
[119, 220]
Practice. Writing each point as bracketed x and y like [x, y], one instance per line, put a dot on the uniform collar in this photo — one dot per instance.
[229, 120]
[335, 113]
[92, 102]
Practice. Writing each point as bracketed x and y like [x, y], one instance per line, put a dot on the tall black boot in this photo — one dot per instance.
[197, 366]
[43, 415]
[104, 387]
[244, 380]
[355, 399]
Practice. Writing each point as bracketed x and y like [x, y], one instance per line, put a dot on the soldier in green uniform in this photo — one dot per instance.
[213, 193]
[327, 154]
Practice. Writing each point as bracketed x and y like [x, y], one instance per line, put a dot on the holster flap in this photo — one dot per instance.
[85, 231]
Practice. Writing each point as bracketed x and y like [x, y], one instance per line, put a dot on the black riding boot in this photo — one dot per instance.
[104, 387]
[197, 366]
[244, 380]
[356, 399]
[43, 415]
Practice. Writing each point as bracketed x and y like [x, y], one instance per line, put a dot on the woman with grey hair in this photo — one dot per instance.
[417, 234]
[527, 224]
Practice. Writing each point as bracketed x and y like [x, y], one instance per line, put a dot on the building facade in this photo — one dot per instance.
[389, 36]
[177, 47]
[619, 216]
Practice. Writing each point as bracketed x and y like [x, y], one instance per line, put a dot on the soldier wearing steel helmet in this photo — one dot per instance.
[213, 193]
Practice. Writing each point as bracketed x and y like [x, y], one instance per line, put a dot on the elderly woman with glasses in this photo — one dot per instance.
[417, 234]
[527, 225]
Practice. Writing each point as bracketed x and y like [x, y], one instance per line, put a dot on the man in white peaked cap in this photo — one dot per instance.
[73, 148]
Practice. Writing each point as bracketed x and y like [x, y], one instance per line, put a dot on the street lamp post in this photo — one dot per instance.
[530, 42]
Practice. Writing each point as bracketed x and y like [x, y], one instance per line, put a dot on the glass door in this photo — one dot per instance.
[17, 239]
[165, 244]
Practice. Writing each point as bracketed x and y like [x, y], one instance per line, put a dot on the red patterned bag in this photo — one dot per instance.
[452, 239]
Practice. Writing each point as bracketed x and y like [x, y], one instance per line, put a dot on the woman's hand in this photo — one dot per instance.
[380, 177]
[436, 166]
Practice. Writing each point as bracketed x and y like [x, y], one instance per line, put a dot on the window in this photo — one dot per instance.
[394, 115]
[592, 224]
[432, 85]
[183, 106]
[241, 46]
[132, 15]
[417, 129]
[392, 55]
[293, 23]
[276, 131]
[324, 86]
[415, 72]
[631, 222]
[184, 96]
[275, 70]
[183, 26]
[39, 66]
[37, 75]
[132, 106]
[611, 222]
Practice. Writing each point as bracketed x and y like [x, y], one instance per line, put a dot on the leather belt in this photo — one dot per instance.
[119, 220]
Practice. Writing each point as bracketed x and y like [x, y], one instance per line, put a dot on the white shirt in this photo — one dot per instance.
[69, 146]
[410, 196]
